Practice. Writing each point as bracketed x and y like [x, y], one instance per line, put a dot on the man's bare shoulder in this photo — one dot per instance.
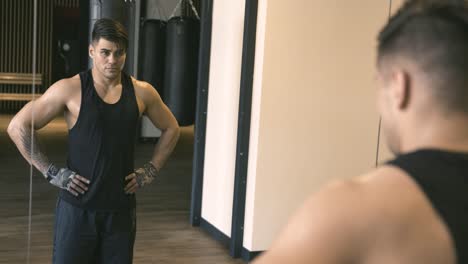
[367, 190]
[144, 90]
[350, 220]
[391, 188]
[330, 227]
[141, 85]
[66, 85]
[73, 82]
[405, 218]
[63, 89]
[384, 197]
[387, 195]
[363, 201]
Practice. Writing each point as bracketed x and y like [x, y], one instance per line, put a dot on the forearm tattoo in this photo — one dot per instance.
[26, 141]
[29, 147]
[146, 174]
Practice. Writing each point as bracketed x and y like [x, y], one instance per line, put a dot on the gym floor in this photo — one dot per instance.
[164, 234]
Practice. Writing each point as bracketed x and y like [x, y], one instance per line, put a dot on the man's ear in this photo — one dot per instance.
[91, 51]
[401, 90]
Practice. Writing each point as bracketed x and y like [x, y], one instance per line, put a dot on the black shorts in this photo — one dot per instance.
[85, 237]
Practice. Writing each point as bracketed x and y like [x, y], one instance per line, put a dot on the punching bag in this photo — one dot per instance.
[152, 51]
[181, 64]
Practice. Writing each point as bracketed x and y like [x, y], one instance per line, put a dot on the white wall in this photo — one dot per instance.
[313, 115]
[223, 106]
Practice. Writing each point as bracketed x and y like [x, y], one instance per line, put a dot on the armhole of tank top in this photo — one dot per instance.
[82, 92]
[132, 94]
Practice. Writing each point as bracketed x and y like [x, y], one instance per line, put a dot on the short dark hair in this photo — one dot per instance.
[110, 30]
[434, 35]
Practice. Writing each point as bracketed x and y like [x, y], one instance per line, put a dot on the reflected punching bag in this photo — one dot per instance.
[180, 78]
[152, 50]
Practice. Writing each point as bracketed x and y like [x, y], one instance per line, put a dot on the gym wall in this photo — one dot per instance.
[223, 106]
[16, 18]
[314, 116]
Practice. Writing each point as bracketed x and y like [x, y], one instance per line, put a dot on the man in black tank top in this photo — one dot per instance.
[413, 209]
[95, 215]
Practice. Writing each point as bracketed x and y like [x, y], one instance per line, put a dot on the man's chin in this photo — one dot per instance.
[112, 74]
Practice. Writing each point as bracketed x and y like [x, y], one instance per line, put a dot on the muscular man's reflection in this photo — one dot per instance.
[95, 215]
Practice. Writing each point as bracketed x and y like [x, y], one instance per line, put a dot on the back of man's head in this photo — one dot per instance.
[110, 30]
[433, 35]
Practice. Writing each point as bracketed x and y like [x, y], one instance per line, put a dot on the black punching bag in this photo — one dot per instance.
[180, 78]
[152, 51]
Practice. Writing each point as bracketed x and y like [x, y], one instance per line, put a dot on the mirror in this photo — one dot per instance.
[32, 213]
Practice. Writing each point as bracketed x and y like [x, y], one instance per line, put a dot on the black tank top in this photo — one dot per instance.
[443, 177]
[101, 147]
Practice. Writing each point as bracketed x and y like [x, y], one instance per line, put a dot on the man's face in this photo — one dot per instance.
[108, 58]
[386, 108]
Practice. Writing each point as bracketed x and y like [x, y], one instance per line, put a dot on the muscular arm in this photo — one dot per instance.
[34, 116]
[22, 130]
[162, 118]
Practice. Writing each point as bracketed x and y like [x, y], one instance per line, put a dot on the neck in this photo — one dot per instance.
[448, 132]
[102, 80]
